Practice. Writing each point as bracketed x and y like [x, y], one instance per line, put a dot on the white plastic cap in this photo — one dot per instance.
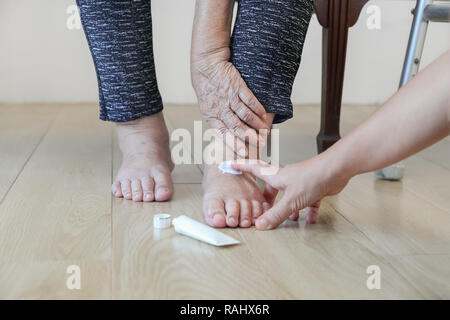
[225, 167]
[161, 221]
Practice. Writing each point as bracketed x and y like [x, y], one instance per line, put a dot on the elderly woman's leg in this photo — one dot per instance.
[266, 48]
[119, 34]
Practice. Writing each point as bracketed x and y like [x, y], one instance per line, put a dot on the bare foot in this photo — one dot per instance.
[146, 165]
[231, 200]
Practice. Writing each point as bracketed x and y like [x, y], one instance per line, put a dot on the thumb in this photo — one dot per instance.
[273, 217]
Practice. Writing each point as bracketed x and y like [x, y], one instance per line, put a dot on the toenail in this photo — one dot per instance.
[148, 196]
[245, 222]
[231, 221]
[217, 219]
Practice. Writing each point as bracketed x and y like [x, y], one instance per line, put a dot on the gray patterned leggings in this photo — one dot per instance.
[266, 47]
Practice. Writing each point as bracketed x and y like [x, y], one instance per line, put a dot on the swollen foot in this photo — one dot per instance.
[231, 200]
[146, 164]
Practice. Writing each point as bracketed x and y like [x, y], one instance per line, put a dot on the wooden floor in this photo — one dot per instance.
[56, 166]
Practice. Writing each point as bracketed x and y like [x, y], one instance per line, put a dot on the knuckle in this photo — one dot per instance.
[221, 130]
[250, 100]
[236, 129]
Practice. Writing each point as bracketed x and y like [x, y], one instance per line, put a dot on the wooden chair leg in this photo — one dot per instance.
[336, 17]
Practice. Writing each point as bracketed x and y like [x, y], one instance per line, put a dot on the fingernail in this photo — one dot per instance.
[262, 224]
[242, 152]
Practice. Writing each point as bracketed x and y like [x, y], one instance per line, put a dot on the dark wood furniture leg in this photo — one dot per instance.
[336, 17]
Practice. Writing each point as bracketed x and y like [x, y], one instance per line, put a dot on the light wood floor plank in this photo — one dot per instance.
[394, 218]
[429, 273]
[47, 280]
[21, 130]
[59, 207]
[182, 173]
[327, 260]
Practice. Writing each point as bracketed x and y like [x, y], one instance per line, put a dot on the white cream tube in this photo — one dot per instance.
[202, 232]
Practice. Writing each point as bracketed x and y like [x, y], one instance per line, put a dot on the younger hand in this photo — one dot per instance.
[303, 185]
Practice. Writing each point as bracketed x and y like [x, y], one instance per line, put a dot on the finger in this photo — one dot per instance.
[247, 115]
[312, 213]
[240, 129]
[258, 168]
[126, 188]
[236, 145]
[274, 216]
[266, 206]
[247, 97]
[294, 216]
[136, 190]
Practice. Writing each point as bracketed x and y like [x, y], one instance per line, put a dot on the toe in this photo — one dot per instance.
[148, 189]
[214, 210]
[136, 190]
[116, 189]
[232, 209]
[126, 189]
[246, 214]
[257, 210]
[265, 206]
[163, 185]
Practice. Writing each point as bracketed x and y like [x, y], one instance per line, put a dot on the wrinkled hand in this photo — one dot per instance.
[303, 185]
[229, 106]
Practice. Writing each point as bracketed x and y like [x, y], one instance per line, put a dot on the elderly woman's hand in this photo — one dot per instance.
[228, 105]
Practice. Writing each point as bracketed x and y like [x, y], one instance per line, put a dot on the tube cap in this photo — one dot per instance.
[161, 221]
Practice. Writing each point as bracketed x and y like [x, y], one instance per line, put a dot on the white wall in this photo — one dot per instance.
[41, 60]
